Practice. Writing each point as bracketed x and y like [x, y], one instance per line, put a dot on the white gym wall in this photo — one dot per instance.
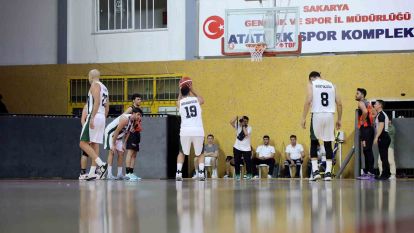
[28, 32]
[86, 46]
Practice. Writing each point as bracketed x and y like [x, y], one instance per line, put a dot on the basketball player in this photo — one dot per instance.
[133, 139]
[366, 132]
[322, 97]
[114, 140]
[93, 129]
[192, 130]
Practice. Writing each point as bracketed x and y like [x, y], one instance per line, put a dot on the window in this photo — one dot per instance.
[167, 88]
[130, 15]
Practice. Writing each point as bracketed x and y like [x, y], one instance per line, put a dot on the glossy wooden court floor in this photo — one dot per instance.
[276, 205]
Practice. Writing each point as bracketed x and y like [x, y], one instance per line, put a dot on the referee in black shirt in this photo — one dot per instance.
[382, 139]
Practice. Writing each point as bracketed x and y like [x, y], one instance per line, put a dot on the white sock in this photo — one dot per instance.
[196, 170]
[323, 158]
[92, 170]
[109, 170]
[201, 166]
[179, 166]
[99, 162]
[314, 165]
[215, 171]
[119, 171]
[328, 165]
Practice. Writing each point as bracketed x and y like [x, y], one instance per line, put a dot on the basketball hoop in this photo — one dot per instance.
[256, 51]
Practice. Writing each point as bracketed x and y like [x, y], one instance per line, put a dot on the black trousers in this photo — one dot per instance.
[383, 144]
[269, 162]
[247, 156]
[367, 135]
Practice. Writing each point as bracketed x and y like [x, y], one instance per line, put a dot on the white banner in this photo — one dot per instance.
[325, 26]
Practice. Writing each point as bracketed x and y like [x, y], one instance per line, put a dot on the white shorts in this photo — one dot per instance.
[209, 161]
[95, 135]
[197, 141]
[109, 146]
[323, 125]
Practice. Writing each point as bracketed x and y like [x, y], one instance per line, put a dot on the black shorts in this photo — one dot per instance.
[133, 141]
[367, 134]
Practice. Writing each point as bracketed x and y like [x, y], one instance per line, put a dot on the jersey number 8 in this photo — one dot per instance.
[324, 99]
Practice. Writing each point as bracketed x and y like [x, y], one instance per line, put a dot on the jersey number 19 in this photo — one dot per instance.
[191, 111]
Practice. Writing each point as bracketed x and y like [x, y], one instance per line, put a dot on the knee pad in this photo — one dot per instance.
[328, 149]
[314, 149]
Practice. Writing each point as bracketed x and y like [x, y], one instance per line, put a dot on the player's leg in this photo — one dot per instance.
[195, 167]
[328, 137]
[198, 142]
[132, 150]
[185, 142]
[214, 167]
[120, 162]
[314, 126]
[90, 140]
[120, 159]
[83, 165]
[110, 176]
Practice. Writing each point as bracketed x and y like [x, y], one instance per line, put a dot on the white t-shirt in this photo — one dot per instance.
[323, 99]
[245, 144]
[191, 117]
[265, 151]
[294, 152]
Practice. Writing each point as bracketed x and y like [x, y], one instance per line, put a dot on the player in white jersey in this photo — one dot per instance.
[93, 130]
[322, 96]
[115, 133]
[192, 130]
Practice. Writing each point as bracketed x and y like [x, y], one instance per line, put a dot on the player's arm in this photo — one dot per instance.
[95, 90]
[306, 106]
[128, 111]
[122, 123]
[233, 121]
[107, 108]
[199, 97]
[84, 114]
[178, 100]
[338, 102]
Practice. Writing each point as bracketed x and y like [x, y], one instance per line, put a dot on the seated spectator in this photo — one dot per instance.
[265, 154]
[211, 154]
[210, 157]
[294, 156]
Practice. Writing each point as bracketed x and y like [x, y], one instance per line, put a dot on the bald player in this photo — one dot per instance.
[94, 127]
[323, 98]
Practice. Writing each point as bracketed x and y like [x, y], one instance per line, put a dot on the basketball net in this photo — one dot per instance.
[256, 51]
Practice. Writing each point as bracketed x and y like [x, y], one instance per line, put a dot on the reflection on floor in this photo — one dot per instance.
[211, 206]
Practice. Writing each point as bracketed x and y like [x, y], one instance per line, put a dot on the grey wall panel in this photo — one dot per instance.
[48, 147]
[403, 143]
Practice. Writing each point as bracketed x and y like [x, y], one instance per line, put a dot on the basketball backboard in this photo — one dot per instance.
[278, 28]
